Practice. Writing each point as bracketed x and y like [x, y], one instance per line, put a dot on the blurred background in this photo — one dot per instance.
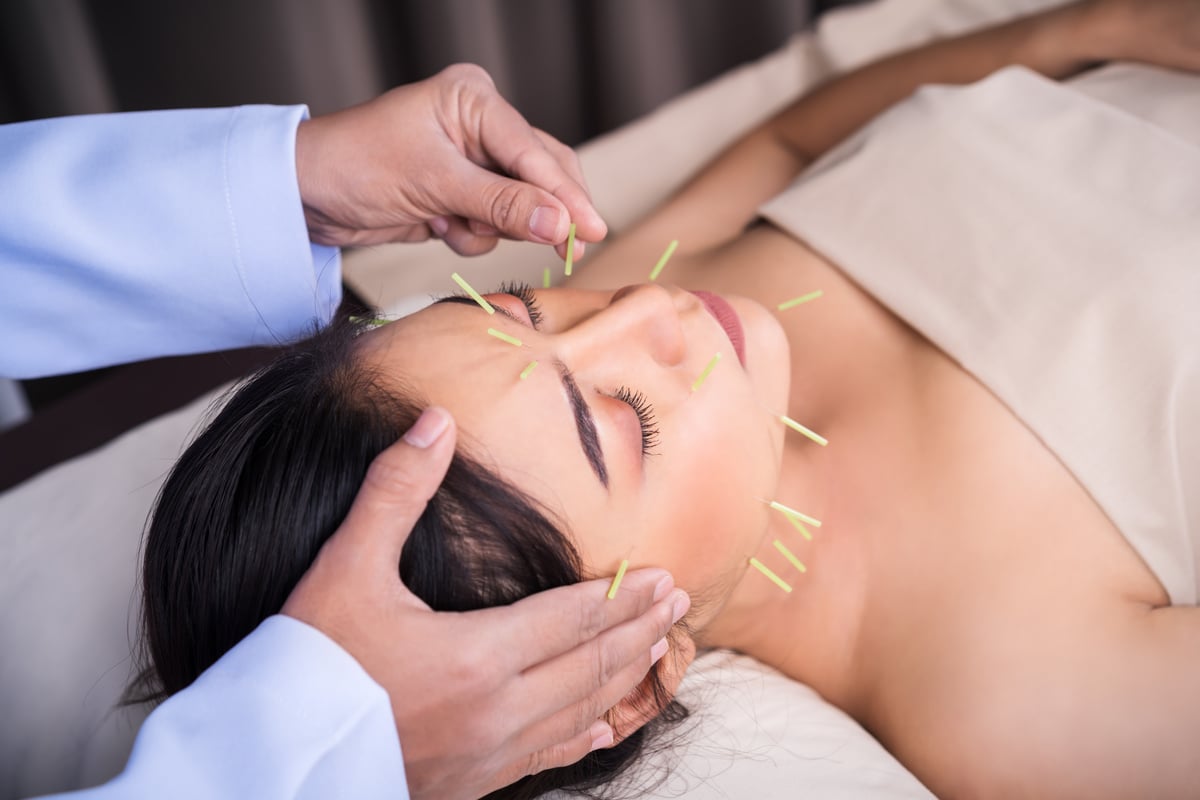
[575, 68]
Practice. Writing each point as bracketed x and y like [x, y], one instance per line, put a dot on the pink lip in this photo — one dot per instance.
[724, 314]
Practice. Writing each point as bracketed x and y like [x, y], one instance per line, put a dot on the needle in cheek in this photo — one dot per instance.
[707, 370]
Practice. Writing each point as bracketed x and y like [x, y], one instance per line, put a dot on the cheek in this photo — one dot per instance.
[706, 512]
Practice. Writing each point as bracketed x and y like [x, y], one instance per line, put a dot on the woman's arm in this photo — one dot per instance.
[718, 203]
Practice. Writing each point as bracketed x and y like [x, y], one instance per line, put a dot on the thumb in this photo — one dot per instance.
[398, 485]
[516, 209]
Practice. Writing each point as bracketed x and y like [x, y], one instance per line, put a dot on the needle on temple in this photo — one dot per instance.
[546, 278]
[525, 372]
[374, 322]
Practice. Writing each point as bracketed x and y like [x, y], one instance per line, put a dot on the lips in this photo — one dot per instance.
[724, 314]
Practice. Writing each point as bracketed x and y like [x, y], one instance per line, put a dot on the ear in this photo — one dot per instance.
[648, 699]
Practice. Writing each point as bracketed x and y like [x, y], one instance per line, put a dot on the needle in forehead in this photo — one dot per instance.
[476, 296]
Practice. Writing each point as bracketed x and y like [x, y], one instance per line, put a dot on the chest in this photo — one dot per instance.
[960, 531]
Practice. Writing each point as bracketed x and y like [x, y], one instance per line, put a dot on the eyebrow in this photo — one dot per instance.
[585, 423]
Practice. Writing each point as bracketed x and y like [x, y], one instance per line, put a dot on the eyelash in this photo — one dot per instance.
[635, 400]
[645, 414]
[524, 292]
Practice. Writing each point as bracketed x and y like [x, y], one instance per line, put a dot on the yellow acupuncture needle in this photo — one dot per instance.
[374, 322]
[662, 262]
[798, 525]
[570, 248]
[792, 513]
[525, 372]
[616, 581]
[703, 375]
[802, 299]
[798, 428]
[781, 547]
[546, 278]
[470, 290]
[778, 581]
[504, 337]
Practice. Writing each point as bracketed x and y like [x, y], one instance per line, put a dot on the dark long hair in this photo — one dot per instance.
[250, 502]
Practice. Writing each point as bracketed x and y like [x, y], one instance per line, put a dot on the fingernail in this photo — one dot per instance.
[659, 650]
[580, 247]
[428, 428]
[680, 605]
[544, 223]
[602, 734]
[439, 225]
[665, 584]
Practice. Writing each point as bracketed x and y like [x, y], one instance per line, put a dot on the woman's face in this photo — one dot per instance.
[681, 485]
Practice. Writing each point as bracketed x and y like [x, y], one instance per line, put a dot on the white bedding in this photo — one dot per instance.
[70, 538]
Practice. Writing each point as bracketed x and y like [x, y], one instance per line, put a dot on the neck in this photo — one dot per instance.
[811, 633]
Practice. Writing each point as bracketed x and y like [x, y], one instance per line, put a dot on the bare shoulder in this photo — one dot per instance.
[1110, 709]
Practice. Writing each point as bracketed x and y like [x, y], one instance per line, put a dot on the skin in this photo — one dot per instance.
[496, 694]
[967, 602]
[665, 338]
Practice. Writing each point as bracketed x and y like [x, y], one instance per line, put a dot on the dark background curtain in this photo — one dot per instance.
[575, 68]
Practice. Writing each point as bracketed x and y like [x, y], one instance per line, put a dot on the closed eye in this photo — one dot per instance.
[524, 292]
[645, 414]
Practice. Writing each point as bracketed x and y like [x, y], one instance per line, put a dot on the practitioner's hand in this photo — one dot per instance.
[483, 698]
[1161, 32]
[434, 159]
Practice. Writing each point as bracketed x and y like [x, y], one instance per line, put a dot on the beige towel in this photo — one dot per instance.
[1050, 243]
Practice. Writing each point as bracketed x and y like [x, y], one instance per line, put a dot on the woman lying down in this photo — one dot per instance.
[1003, 363]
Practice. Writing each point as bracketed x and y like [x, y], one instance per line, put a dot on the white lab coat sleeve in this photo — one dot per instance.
[130, 236]
[284, 714]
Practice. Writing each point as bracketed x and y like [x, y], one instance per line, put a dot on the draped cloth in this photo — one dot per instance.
[1048, 241]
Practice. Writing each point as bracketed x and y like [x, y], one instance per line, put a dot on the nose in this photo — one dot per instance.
[644, 318]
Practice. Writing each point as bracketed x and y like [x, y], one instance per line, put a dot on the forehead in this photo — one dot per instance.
[522, 428]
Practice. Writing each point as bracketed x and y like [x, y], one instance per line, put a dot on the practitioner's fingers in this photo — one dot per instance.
[644, 703]
[516, 147]
[575, 732]
[572, 615]
[461, 236]
[594, 737]
[587, 680]
[397, 487]
[567, 158]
